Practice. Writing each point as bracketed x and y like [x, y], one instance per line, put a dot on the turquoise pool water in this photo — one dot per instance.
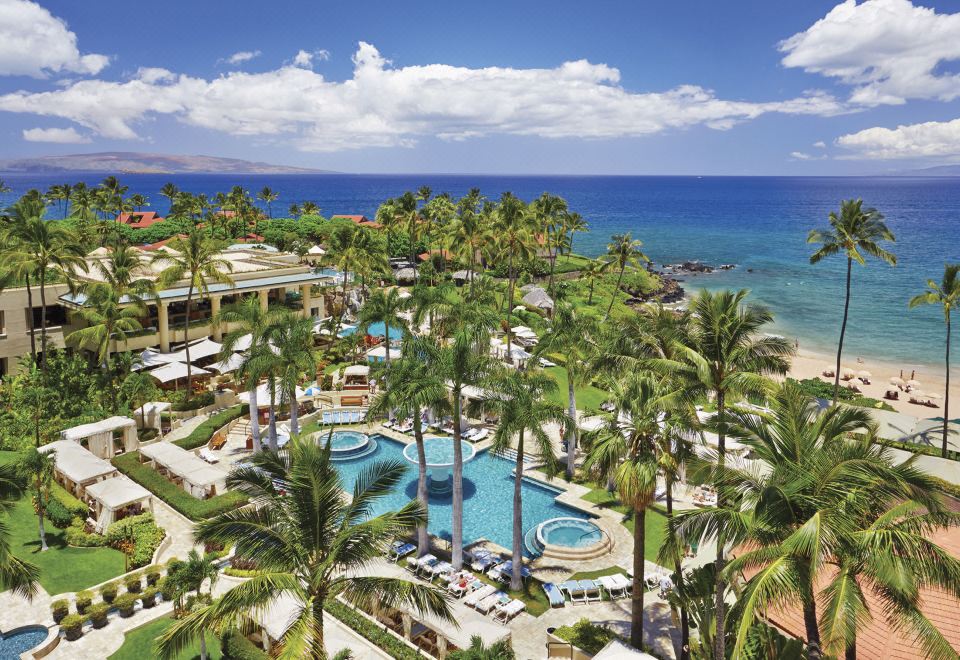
[488, 496]
[570, 533]
[19, 641]
[377, 329]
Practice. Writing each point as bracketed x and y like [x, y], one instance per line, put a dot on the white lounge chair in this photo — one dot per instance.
[207, 454]
[574, 590]
[613, 588]
[625, 583]
[491, 601]
[480, 435]
[506, 612]
[470, 433]
[591, 590]
[483, 592]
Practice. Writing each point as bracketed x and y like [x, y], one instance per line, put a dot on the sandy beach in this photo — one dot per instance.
[810, 364]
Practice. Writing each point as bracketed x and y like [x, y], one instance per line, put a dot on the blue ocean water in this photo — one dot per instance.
[758, 223]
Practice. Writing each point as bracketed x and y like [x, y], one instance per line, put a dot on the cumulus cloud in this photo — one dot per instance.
[887, 50]
[305, 58]
[382, 105]
[820, 144]
[801, 155]
[58, 135]
[240, 57]
[35, 43]
[939, 139]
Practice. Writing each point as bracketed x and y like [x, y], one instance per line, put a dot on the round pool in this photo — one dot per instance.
[571, 538]
[345, 445]
[438, 453]
[21, 640]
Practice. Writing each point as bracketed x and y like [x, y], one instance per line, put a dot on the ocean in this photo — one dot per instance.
[758, 223]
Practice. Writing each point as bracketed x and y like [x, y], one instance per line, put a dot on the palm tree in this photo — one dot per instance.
[296, 357]
[411, 387]
[727, 357]
[383, 307]
[139, 388]
[523, 409]
[855, 230]
[569, 335]
[500, 650]
[170, 191]
[294, 211]
[625, 451]
[138, 201]
[197, 259]
[37, 467]
[15, 220]
[513, 227]
[106, 318]
[309, 543]
[623, 251]
[310, 208]
[550, 212]
[468, 232]
[267, 196]
[20, 576]
[113, 192]
[191, 574]
[947, 295]
[591, 272]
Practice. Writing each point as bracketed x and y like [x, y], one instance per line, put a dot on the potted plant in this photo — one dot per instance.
[133, 584]
[167, 588]
[72, 626]
[125, 604]
[60, 609]
[153, 575]
[149, 597]
[108, 592]
[84, 598]
[98, 614]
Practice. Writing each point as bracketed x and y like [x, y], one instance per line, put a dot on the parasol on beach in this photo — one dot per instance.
[896, 380]
[847, 373]
[893, 390]
[864, 375]
[854, 383]
[913, 383]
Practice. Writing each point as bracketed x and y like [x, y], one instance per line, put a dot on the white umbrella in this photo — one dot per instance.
[864, 375]
[175, 371]
[854, 382]
[847, 373]
[232, 363]
[896, 380]
[893, 390]
[913, 383]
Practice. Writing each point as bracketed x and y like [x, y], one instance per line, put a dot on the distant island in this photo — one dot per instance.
[127, 162]
[938, 170]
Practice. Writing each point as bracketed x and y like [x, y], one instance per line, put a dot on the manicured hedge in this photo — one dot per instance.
[204, 431]
[144, 532]
[172, 494]
[71, 503]
[380, 638]
[235, 646]
[195, 403]
[58, 514]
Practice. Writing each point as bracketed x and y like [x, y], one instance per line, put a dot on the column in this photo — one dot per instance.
[306, 298]
[214, 310]
[163, 327]
[264, 300]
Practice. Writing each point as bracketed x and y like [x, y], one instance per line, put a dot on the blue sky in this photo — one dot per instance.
[500, 87]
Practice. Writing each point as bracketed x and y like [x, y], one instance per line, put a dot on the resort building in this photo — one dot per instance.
[361, 220]
[275, 277]
[139, 219]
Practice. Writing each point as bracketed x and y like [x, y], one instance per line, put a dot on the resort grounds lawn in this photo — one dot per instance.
[532, 594]
[139, 643]
[656, 521]
[589, 398]
[600, 572]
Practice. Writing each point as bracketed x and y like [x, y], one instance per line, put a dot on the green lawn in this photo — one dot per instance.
[532, 594]
[593, 575]
[139, 642]
[656, 522]
[589, 398]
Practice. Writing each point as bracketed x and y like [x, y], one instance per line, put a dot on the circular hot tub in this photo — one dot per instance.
[571, 538]
[346, 445]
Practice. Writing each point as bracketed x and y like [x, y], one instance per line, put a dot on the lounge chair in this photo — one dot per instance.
[486, 562]
[485, 591]
[327, 418]
[442, 569]
[504, 572]
[480, 435]
[218, 441]
[652, 580]
[506, 612]
[554, 594]
[458, 587]
[425, 565]
[613, 588]
[400, 549]
[575, 591]
[625, 583]
[491, 601]
[208, 455]
[591, 590]
[387, 424]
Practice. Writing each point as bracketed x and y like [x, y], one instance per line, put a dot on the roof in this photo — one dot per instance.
[139, 219]
[357, 370]
[251, 238]
[423, 256]
[357, 220]
[618, 650]
[96, 428]
[199, 349]
[381, 352]
[78, 464]
[117, 492]
[151, 358]
[538, 298]
[175, 371]
[232, 363]
[183, 463]
[263, 396]
[316, 249]
[160, 244]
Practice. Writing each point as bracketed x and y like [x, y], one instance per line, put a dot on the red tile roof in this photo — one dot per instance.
[139, 219]
[160, 244]
[423, 256]
[358, 220]
[251, 238]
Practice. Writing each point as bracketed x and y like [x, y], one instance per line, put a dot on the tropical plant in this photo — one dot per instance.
[191, 575]
[623, 251]
[947, 295]
[138, 389]
[592, 271]
[499, 650]
[550, 213]
[308, 542]
[106, 319]
[514, 227]
[37, 468]
[383, 306]
[197, 259]
[268, 197]
[295, 357]
[854, 231]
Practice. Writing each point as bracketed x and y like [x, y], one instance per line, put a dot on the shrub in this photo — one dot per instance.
[195, 403]
[173, 495]
[153, 576]
[78, 536]
[72, 626]
[240, 573]
[98, 614]
[149, 597]
[125, 604]
[108, 592]
[58, 514]
[144, 534]
[585, 635]
[70, 503]
[84, 598]
[205, 430]
[235, 646]
[167, 589]
[133, 584]
[60, 609]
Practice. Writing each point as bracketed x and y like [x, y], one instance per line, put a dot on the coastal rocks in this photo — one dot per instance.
[670, 291]
[695, 268]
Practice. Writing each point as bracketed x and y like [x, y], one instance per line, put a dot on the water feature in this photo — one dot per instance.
[18, 641]
[346, 445]
[567, 538]
[439, 458]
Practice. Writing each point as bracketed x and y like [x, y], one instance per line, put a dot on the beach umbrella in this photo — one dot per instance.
[854, 382]
[896, 380]
[847, 373]
[893, 390]
[913, 383]
[864, 375]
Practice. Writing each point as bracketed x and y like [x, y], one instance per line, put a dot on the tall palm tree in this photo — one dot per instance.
[113, 192]
[20, 576]
[309, 543]
[523, 409]
[592, 271]
[138, 389]
[433, 304]
[294, 210]
[727, 357]
[383, 307]
[138, 201]
[549, 212]
[468, 232]
[15, 220]
[569, 335]
[854, 231]
[947, 295]
[514, 227]
[625, 451]
[268, 196]
[310, 208]
[623, 251]
[293, 336]
[37, 467]
[411, 387]
[170, 191]
[107, 317]
[191, 574]
[196, 259]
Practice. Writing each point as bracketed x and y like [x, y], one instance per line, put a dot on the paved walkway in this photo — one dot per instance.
[104, 642]
[178, 528]
[16, 611]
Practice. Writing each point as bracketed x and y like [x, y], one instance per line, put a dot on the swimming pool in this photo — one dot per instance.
[378, 329]
[21, 640]
[487, 496]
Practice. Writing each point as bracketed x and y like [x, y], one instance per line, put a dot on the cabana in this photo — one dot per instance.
[232, 363]
[356, 377]
[175, 371]
[186, 469]
[99, 436]
[151, 414]
[263, 396]
[115, 499]
[314, 254]
[379, 354]
[75, 468]
[538, 298]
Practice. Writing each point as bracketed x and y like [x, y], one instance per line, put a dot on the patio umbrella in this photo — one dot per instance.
[847, 373]
[893, 390]
[913, 383]
[864, 375]
[854, 382]
[896, 380]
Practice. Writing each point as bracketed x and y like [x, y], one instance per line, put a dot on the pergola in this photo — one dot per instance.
[99, 435]
[186, 469]
[75, 467]
[114, 498]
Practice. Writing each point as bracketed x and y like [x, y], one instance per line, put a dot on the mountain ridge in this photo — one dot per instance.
[132, 162]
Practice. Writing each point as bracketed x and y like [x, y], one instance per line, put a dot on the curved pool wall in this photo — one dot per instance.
[488, 496]
[569, 538]
[20, 640]
[347, 445]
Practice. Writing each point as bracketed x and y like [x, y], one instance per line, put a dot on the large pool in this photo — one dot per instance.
[378, 329]
[20, 641]
[487, 490]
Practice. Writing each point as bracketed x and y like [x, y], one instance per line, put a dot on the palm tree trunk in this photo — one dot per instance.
[851, 651]
[553, 265]
[812, 630]
[572, 412]
[720, 605]
[843, 330]
[457, 531]
[516, 578]
[636, 611]
[43, 320]
[423, 539]
[294, 411]
[678, 569]
[40, 509]
[203, 646]
[615, 291]
[272, 414]
[509, 308]
[590, 297]
[946, 394]
[255, 419]
[186, 342]
[33, 340]
[386, 340]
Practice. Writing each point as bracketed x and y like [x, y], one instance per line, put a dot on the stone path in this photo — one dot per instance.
[178, 528]
[105, 641]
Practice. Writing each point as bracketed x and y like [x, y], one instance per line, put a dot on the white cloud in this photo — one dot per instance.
[58, 135]
[820, 144]
[386, 106]
[800, 155]
[887, 50]
[35, 43]
[304, 58]
[931, 139]
[240, 57]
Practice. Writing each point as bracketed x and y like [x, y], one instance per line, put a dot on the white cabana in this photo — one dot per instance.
[538, 298]
[232, 363]
[316, 250]
[196, 476]
[151, 412]
[76, 467]
[199, 349]
[175, 371]
[523, 332]
[112, 495]
[263, 396]
[357, 370]
[379, 354]
[99, 435]
[149, 359]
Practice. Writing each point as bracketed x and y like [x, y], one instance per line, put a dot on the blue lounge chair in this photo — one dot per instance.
[400, 549]
[326, 418]
[591, 590]
[575, 591]
[554, 594]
